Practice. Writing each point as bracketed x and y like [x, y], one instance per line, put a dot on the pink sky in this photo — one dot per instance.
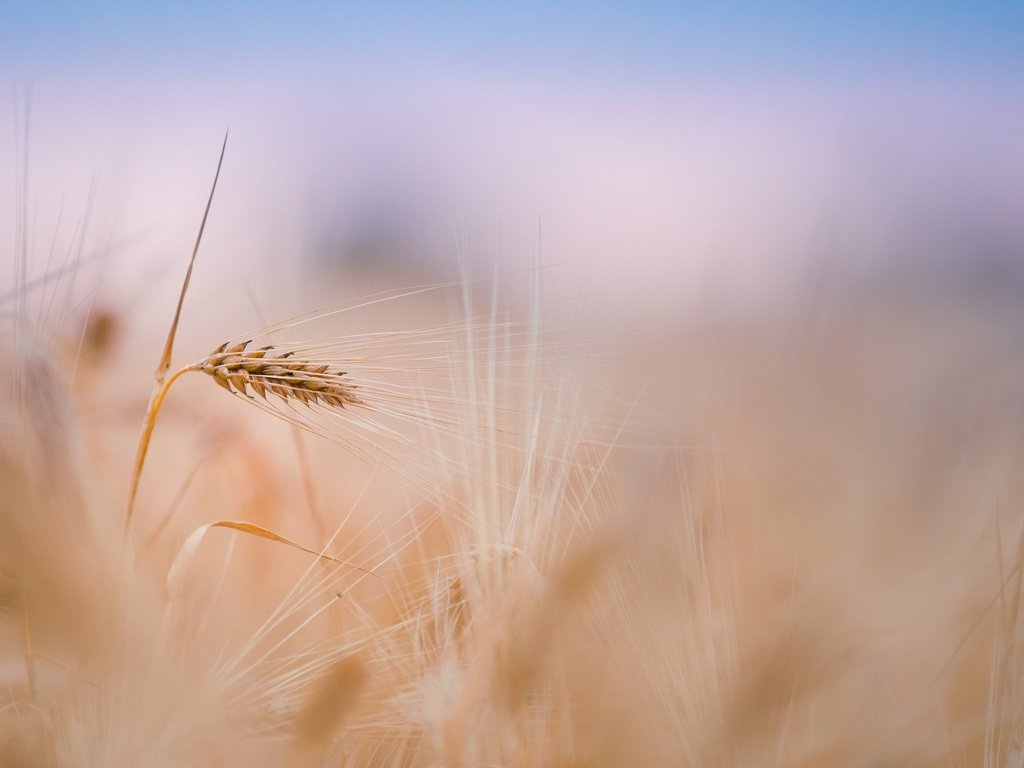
[644, 188]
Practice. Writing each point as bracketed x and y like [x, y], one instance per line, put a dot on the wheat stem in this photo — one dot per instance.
[156, 400]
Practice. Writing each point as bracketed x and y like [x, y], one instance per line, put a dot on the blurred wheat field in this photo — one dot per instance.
[786, 538]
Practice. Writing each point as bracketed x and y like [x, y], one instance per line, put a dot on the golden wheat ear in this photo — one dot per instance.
[269, 371]
[401, 401]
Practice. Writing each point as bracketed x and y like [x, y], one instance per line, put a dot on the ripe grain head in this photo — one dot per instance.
[281, 373]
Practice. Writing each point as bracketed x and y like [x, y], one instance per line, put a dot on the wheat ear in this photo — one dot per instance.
[268, 371]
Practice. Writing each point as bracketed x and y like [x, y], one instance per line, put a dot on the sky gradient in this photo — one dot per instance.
[656, 39]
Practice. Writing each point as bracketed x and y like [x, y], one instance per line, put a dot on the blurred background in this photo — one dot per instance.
[658, 155]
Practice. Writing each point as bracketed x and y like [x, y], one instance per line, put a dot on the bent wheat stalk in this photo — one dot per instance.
[290, 375]
[156, 401]
[280, 378]
[397, 376]
[238, 369]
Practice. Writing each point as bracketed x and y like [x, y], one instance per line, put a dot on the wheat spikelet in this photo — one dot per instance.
[269, 371]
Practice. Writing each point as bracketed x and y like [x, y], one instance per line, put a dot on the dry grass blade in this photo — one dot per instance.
[165, 359]
[160, 388]
[191, 545]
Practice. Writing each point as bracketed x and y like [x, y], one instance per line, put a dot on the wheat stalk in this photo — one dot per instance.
[300, 377]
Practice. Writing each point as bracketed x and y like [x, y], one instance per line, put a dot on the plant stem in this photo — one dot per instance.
[156, 400]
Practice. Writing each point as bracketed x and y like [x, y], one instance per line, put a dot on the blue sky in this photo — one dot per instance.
[649, 38]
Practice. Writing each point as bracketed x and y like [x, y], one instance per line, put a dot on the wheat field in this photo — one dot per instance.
[460, 530]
